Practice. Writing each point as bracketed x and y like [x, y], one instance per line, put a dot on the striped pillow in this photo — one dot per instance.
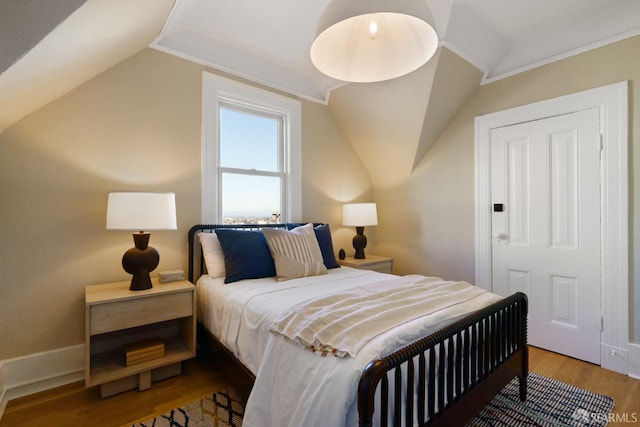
[295, 253]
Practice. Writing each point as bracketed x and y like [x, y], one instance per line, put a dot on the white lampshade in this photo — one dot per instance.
[141, 211]
[359, 214]
[373, 40]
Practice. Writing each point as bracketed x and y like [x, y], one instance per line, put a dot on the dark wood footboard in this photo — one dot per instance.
[452, 374]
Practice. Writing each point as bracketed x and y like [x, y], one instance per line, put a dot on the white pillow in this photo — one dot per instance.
[213, 255]
[295, 253]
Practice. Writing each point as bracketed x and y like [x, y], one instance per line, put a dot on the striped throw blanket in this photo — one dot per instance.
[342, 323]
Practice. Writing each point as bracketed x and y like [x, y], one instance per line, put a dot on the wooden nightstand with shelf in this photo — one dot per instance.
[117, 317]
[380, 264]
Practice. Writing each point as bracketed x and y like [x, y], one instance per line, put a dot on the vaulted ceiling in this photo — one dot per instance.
[80, 45]
[268, 42]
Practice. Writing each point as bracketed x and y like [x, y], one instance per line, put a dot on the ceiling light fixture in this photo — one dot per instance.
[373, 40]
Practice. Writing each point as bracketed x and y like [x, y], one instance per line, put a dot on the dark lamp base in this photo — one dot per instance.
[139, 261]
[140, 281]
[359, 243]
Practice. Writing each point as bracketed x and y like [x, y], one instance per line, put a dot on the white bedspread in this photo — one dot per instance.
[295, 387]
[341, 323]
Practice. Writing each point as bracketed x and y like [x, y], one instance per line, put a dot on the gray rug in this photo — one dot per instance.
[550, 403]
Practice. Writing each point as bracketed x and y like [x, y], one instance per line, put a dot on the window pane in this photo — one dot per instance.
[248, 141]
[250, 199]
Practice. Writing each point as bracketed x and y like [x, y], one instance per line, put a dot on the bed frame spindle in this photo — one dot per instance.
[452, 367]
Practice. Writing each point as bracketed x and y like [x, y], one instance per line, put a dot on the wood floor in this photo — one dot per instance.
[73, 405]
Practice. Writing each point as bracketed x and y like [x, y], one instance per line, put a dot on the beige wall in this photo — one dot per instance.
[137, 127]
[332, 173]
[434, 228]
[392, 125]
[134, 127]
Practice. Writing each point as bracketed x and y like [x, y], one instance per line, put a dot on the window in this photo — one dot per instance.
[250, 153]
[250, 169]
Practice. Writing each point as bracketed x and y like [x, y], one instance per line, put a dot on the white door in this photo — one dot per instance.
[545, 195]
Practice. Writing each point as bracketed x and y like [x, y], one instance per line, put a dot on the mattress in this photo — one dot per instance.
[294, 386]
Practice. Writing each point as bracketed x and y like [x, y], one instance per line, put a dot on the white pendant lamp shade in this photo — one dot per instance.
[373, 40]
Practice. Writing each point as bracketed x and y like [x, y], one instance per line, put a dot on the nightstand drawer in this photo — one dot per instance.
[380, 267]
[124, 314]
[380, 264]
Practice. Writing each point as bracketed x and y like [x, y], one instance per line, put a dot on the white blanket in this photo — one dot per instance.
[295, 387]
[341, 324]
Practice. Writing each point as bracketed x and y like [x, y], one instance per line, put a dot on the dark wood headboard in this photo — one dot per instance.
[196, 260]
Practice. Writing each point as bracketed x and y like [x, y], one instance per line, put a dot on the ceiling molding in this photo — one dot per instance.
[559, 57]
[216, 54]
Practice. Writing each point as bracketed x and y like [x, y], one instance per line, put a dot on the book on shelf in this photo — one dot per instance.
[143, 358]
[143, 351]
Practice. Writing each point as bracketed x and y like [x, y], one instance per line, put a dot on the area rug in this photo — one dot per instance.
[550, 403]
[220, 409]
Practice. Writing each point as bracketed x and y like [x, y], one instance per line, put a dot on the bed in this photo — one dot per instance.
[440, 373]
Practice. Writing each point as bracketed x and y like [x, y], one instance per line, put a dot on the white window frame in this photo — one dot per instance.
[217, 89]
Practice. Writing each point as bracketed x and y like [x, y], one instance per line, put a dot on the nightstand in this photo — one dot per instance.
[117, 317]
[380, 264]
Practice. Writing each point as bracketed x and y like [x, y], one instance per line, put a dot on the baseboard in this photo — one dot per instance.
[614, 358]
[33, 373]
[634, 360]
[3, 391]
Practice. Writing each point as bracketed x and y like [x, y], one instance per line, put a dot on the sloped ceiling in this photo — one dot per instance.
[393, 124]
[88, 41]
[19, 36]
[454, 81]
[268, 42]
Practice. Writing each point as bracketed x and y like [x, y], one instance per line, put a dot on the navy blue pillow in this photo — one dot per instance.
[246, 255]
[323, 235]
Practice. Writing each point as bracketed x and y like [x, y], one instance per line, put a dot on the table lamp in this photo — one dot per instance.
[141, 211]
[359, 215]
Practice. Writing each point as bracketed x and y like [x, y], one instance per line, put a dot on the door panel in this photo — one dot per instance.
[564, 190]
[546, 239]
[564, 299]
[518, 198]
[518, 281]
